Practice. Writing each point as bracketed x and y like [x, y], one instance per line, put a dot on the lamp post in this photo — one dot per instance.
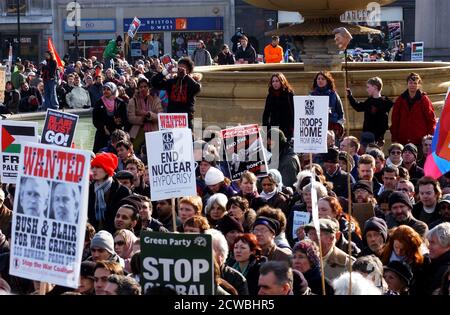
[76, 34]
[18, 28]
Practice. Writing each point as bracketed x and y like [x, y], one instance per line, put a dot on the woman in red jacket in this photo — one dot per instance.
[413, 114]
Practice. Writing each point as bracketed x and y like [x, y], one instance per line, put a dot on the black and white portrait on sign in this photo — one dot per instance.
[65, 202]
[34, 195]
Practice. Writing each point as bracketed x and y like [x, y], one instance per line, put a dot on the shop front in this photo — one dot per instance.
[176, 36]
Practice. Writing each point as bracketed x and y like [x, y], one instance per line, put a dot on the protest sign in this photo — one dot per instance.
[12, 135]
[311, 124]
[417, 51]
[183, 262]
[363, 212]
[171, 163]
[134, 27]
[59, 128]
[171, 121]
[49, 221]
[300, 218]
[244, 151]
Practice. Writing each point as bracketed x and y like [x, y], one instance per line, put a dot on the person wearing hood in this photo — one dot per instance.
[79, 96]
[201, 55]
[272, 194]
[105, 192]
[108, 115]
[123, 246]
[288, 162]
[413, 114]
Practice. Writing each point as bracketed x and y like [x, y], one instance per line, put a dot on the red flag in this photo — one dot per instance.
[52, 49]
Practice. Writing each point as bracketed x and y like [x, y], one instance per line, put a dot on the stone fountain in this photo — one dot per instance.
[236, 94]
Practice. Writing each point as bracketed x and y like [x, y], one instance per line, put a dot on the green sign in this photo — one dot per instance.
[183, 262]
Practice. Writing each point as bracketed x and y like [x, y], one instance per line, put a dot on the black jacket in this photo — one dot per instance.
[235, 278]
[435, 272]
[100, 119]
[339, 180]
[421, 215]
[376, 114]
[314, 278]
[225, 59]
[116, 193]
[415, 173]
[249, 54]
[252, 275]
[279, 111]
[418, 226]
[181, 94]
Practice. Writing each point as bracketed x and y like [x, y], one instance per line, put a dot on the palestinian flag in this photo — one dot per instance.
[13, 135]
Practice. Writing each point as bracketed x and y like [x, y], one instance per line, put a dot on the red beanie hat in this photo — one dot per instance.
[107, 161]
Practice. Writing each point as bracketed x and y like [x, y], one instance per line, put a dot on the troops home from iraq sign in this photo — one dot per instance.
[12, 135]
[183, 262]
[311, 124]
[171, 164]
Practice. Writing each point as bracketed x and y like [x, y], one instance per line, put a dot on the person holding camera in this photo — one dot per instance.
[143, 111]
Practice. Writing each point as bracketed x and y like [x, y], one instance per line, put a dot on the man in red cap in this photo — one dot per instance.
[105, 192]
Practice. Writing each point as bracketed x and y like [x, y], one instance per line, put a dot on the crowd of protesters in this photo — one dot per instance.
[402, 249]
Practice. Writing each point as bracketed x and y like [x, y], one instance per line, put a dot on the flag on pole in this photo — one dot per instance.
[438, 162]
[134, 26]
[52, 49]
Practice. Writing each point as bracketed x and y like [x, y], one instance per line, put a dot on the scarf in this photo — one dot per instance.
[395, 257]
[109, 103]
[100, 204]
[267, 196]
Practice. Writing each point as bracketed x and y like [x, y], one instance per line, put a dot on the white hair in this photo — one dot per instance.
[219, 199]
[442, 234]
[219, 242]
[321, 190]
[360, 285]
[300, 176]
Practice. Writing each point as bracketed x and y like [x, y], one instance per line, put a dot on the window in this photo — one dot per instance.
[11, 7]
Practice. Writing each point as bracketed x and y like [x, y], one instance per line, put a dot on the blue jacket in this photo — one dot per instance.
[336, 110]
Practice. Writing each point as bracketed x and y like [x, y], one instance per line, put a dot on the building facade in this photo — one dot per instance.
[168, 26]
[35, 25]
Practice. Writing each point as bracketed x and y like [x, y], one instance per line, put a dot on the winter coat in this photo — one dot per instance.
[101, 119]
[435, 272]
[11, 101]
[423, 216]
[5, 220]
[278, 254]
[225, 59]
[288, 165]
[376, 114]
[249, 54]
[202, 57]
[111, 50]
[418, 226]
[412, 119]
[415, 173]
[251, 273]
[336, 263]
[336, 110]
[137, 113]
[314, 278]
[95, 92]
[235, 278]
[112, 198]
[279, 112]
[339, 181]
[78, 98]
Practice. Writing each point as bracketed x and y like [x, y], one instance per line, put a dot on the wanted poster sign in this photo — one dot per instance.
[183, 262]
[244, 151]
[171, 121]
[12, 135]
[59, 128]
[171, 165]
[311, 124]
[49, 220]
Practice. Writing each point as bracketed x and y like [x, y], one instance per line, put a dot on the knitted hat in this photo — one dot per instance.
[402, 269]
[398, 196]
[213, 176]
[103, 239]
[308, 248]
[87, 269]
[332, 156]
[411, 148]
[272, 224]
[363, 184]
[228, 224]
[107, 161]
[376, 224]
